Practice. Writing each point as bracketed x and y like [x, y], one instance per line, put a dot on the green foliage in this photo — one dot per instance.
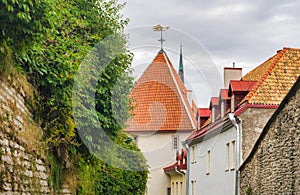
[57, 36]
[249, 190]
[56, 172]
[97, 177]
[24, 21]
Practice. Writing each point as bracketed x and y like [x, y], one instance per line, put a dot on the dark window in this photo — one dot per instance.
[175, 142]
[168, 191]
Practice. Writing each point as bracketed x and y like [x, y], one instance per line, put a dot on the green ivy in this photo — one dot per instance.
[56, 37]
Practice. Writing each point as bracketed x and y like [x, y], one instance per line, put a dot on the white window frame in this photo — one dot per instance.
[193, 155]
[233, 155]
[193, 187]
[227, 160]
[175, 145]
[208, 163]
[181, 188]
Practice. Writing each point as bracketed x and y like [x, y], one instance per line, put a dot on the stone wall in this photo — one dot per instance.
[273, 165]
[23, 166]
[251, 129]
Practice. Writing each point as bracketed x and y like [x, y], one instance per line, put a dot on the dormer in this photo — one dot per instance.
[203, 115]
[237, 91]
[224, 102]
[215, 108]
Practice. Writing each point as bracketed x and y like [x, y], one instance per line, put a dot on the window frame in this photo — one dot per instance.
[175, 146]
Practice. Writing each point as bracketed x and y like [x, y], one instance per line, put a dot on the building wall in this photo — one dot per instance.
[219, 180]
[157, 148]
[178, 185]
[250, 129]
[274, 166]
[23, 167]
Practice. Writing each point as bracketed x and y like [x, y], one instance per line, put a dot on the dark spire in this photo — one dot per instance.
[180, 72]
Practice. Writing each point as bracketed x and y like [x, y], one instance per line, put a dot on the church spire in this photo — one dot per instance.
[180, 72]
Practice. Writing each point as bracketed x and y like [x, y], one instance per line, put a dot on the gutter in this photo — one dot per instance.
[179, 172]
[237, 123]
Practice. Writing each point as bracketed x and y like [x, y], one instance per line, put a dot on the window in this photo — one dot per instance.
[181, 188]
[233, 156]
[227, 157]
[208, 163]
[168, 191]
[175, 142]
[135, 138]
[193, 155]
[172, 190]
[193, 187]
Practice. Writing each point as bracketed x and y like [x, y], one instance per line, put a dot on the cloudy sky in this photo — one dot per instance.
[214, 34]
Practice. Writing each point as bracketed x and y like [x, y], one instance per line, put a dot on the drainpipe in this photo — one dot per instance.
[236, 122]
[187, 180]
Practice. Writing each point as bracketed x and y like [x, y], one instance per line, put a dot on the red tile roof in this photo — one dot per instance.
[274, 77]
[266, 85]
[180, 164]
[160, 100]
[204, 112]
[214, 101]
[240, 86]
[224, 94]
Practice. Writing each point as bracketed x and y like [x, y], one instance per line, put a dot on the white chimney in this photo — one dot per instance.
[231, 73]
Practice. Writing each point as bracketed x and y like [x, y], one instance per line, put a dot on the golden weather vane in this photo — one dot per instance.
[160, 28]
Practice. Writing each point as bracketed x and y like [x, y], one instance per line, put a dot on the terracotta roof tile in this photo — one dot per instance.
[274, 77]
[160, 102]
[214, 101]
[204, 112]
[240, 86]
[224, 94]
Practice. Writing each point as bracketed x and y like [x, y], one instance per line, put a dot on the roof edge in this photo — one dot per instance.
[260, 81]
[179, 91]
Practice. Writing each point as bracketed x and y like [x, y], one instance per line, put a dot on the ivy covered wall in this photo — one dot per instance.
[44, 42]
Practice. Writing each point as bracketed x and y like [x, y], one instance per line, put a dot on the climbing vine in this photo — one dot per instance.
[59, 34]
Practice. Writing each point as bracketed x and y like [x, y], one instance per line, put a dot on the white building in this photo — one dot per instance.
[216, 150]
[163, 116]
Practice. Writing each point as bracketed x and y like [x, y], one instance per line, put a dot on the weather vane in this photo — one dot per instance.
[161, 29]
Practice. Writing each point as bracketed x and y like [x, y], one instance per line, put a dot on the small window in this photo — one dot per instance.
[172, 190]
[135, 138]
[175, 142]
[233, 155]
[181, 188]
[208, 163]
[227, 157]
[193, 187]
[168, 191]
[193, 155]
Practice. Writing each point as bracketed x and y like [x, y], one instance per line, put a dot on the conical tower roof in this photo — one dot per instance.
[160, 100]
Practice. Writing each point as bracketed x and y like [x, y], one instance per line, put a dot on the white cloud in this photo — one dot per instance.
[246, 32]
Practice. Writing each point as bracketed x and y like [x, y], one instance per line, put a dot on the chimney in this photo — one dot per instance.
[231, 73]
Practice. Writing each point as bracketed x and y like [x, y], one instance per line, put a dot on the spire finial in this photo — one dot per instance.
[161, 29]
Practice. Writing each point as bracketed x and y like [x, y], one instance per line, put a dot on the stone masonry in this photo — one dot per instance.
[273, 165]
[23, 169]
